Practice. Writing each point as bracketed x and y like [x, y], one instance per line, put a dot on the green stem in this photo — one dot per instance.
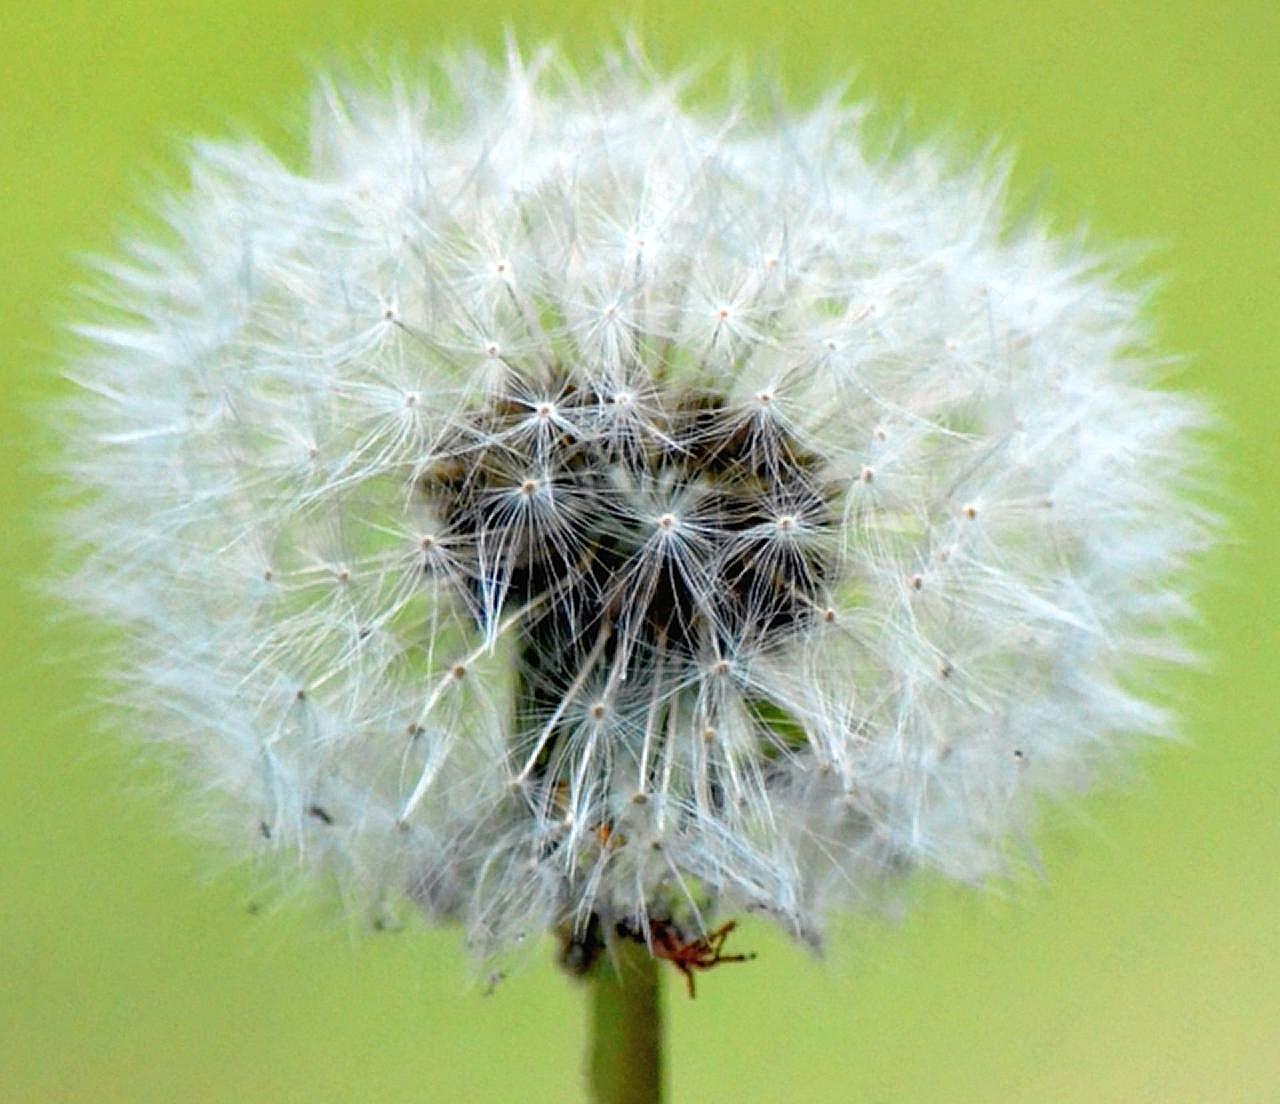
[624, 1063]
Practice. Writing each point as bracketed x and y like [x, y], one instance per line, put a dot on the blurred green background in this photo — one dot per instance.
[1146, 966]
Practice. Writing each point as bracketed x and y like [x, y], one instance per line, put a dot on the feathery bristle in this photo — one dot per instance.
[563, 507]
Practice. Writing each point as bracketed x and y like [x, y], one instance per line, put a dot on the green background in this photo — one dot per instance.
[1146, 965]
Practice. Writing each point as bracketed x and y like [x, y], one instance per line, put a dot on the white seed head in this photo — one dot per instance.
[659, 511]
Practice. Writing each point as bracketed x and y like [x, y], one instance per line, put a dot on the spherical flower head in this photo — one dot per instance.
[566, 510]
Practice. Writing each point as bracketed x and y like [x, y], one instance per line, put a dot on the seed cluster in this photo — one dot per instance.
[642, 533]
[563, 507]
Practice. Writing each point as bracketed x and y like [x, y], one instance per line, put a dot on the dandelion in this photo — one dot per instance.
[569, 512]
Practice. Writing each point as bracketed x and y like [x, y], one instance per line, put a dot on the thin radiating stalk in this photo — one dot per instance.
[624, 1059]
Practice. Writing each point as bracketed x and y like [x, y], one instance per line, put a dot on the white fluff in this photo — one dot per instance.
[1011, 525]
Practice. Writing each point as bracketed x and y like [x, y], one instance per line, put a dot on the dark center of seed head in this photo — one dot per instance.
[751, 504]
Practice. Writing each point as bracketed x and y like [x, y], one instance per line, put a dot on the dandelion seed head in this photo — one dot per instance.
[561, 505]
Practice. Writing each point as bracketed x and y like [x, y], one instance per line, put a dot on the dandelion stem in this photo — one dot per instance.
[624, 1062]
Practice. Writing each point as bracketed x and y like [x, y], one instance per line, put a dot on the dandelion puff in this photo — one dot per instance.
[570, 511]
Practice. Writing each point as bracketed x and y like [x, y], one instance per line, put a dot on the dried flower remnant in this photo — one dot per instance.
[574, 512]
